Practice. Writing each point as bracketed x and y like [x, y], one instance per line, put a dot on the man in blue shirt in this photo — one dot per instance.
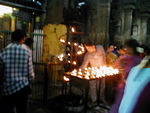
[18, 72]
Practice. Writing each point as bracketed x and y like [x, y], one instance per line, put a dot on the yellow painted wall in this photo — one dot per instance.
[51, 44]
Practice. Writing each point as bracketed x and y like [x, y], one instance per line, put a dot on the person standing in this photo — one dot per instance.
[18, 72]
[136, 97]
[131, 59]
[110, 56]
[111, 59]
[95, 57]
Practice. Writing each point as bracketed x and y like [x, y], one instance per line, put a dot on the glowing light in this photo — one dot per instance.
[74, 63]
[69, 43]
[68, 54]
[5, 10]
[75, 44]
[66, 79]
[73, 29]
[61, 57]
[79, 52]
[61, 40]
[94, 72]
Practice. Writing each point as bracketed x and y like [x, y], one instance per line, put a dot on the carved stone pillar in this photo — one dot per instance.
[143, 28]
[118, 37]
[55, 11]
[99, 22]
[128, 10]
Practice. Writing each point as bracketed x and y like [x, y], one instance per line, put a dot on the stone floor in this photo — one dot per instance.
[66, 104]
[60, 103]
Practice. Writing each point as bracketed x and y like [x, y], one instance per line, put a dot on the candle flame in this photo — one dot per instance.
[94, 72]
[66, 79]
[74, 63]
[73, 29]
[61, 57]
[62, 40]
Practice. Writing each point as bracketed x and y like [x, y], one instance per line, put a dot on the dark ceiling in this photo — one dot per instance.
[31, 5]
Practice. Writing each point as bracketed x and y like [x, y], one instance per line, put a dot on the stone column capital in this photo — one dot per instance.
[128, 7]
[145, 14]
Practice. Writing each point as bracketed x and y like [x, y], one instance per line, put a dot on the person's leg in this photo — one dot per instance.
[22, 101]
[102, 91]
[7, 104]
[93, 94]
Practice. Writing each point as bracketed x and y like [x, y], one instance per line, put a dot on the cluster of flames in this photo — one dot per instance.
[94, 72]
[79, 51]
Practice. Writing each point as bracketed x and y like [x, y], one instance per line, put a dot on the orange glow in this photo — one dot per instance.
[73, 29]
[66, 79]
[61, 40]
[61, 57]
[94, 72]
[74, 63]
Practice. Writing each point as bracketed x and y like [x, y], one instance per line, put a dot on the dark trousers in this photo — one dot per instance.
[18, 101]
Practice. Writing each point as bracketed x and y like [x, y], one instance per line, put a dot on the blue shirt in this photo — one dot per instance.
[18, 68]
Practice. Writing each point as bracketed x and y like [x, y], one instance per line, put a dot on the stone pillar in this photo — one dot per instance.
[128, 10]
[143, 28]
[118, 37]
[99, 22]
[55, 11]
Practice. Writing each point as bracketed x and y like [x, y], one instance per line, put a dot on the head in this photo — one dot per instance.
[111, 48]
[100, 49]
[89, 45]
[121, 50]
[131, 46]
[18, 36]
[29, 42]
[146, 50]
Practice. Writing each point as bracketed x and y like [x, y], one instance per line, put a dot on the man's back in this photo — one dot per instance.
[16, 68]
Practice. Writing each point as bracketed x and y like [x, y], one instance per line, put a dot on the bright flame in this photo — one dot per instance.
[66, 79]
[68, 54]
[61, 57]
[79, 52]
[74, 63]
[75, 44]
[73, 29]
[94, 72]
[5, 10]
[61, 40]
[69, 43]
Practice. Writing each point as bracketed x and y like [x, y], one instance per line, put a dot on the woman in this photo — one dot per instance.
[132, 59]
[136, 98]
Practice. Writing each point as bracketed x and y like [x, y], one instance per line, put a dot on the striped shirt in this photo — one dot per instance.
[17, 68]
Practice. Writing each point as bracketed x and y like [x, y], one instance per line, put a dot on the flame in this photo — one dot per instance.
[68, 54]
[79, 52]
[73, 29]
[94, 72]
[75, 44]
[69, 43]
[62, 40]
[61, 57]
[66, 79]
[74, 63]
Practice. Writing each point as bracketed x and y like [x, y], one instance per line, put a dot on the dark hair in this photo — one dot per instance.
[132, 43]
[146, 49]
[29, 42]
[89, 42]
[18, 35]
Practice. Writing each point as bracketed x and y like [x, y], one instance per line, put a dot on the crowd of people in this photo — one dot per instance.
[132, 60]
[131, 91]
